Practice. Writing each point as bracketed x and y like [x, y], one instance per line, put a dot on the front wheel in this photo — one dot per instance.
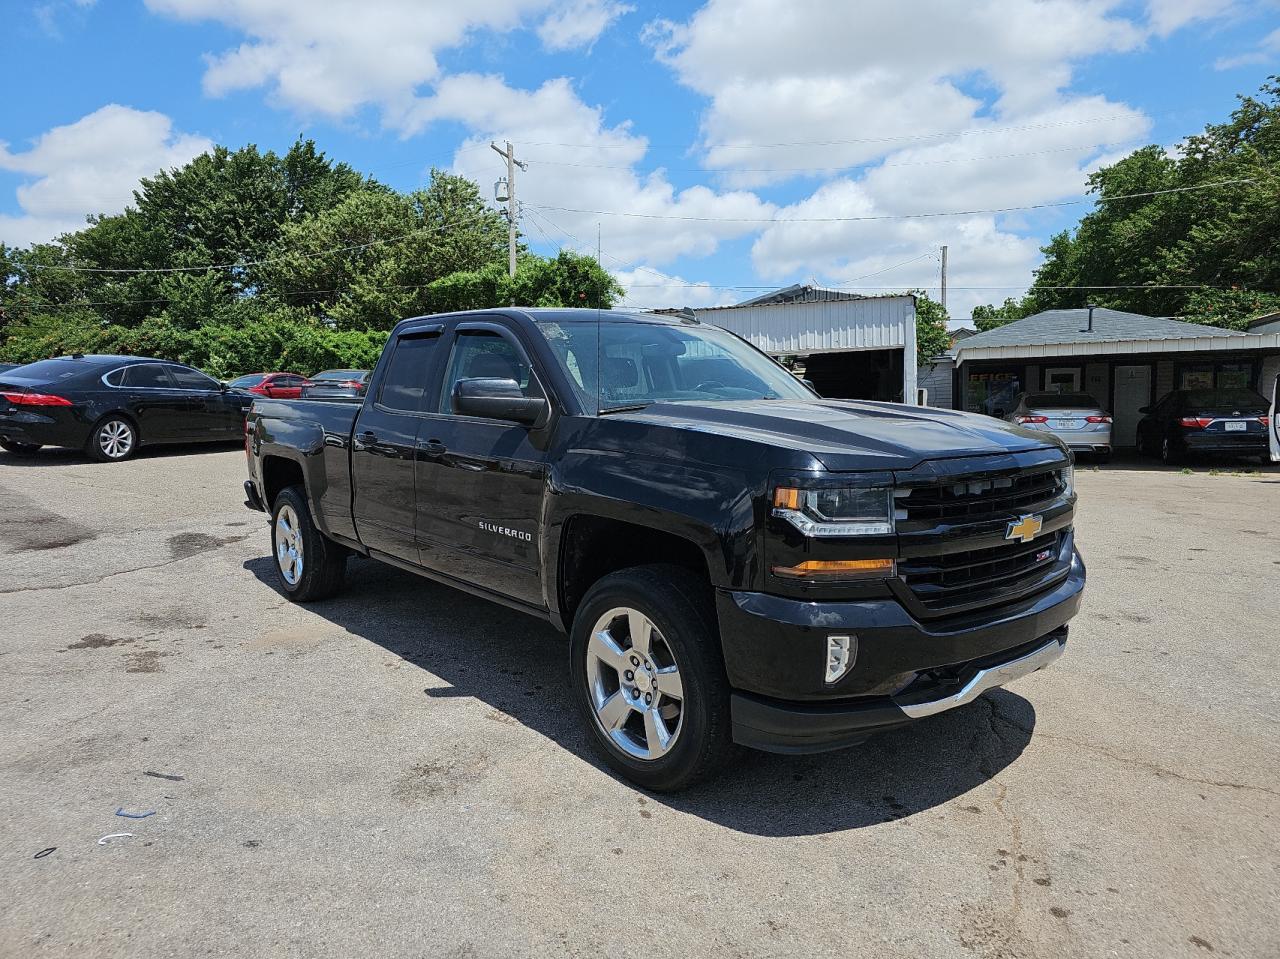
[308, 566]
[649, 679]
[16, 448]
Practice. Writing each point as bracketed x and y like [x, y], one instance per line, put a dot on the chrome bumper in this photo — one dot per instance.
[989, 678]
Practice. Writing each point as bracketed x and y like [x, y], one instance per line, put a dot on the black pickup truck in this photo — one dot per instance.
[734, 558]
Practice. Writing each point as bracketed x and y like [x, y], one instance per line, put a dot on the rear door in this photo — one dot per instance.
[481, 481]
[150, 396]
[384, 444]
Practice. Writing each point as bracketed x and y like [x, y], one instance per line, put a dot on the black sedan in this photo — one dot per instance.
[336, 385]
[1232, 422]
[110, 405]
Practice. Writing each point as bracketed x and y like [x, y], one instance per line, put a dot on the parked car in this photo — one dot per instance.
[1233, 422]
[281, 386]
[111, 405]
[1273, 415]
[735, 559]
[336, 385]
[1075, 418]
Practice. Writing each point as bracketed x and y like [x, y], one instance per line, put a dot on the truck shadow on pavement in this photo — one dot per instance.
[517, 665]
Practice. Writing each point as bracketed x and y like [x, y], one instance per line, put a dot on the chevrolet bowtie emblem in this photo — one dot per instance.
[1025, 528]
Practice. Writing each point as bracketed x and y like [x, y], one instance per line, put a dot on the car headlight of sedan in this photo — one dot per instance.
[836, 511]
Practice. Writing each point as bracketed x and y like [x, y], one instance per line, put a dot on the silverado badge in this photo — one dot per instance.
[1024, 529]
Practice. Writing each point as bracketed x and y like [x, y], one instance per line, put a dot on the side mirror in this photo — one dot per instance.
[497, 399]
[1144, 409]
[809, 383]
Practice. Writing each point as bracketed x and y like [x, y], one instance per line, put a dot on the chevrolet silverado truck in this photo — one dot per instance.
[735, 559]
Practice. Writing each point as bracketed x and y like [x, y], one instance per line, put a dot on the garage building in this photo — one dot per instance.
[1125, 360]
[851, 346]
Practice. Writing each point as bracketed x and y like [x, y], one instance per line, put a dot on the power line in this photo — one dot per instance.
[804, 143]
[206, 267]
[820, 169]
[889, 216]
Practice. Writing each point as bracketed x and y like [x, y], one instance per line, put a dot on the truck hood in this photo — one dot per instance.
[852, 434]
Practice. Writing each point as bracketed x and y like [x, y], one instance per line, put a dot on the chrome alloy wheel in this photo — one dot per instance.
[115, 439]
[634, 682]
[289, 545]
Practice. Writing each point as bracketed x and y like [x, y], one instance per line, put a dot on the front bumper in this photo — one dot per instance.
[775, 654]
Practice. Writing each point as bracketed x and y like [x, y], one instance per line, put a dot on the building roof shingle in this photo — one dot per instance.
[1066, 326]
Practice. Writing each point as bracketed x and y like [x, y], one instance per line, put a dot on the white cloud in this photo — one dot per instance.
[648, 289]
[557, 133]
[578, 23]
[1267, 51]
[1166, 16]
[90, 166]
[333, 56]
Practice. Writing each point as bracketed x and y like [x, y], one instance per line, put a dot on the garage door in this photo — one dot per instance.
[1132, 392]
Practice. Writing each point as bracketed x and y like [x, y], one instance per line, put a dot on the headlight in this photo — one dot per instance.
[848, 511]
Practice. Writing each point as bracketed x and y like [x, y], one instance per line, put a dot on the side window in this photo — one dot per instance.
[147, 376]
[189, 379]
[404, 385]
[482, 354]
[289, 381]
[115, 378]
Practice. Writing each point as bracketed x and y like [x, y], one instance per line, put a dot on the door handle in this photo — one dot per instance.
[433, 448]
[364, 440]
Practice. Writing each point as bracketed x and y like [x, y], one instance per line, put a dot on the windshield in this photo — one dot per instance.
[253, 379]
[626, 363]
[1062, 401]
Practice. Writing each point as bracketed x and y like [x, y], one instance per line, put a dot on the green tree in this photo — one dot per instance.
[932, 338]
[1206, 255]
[989, 317]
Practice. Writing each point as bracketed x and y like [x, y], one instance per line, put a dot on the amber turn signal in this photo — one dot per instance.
[837, 569]
[786, 497]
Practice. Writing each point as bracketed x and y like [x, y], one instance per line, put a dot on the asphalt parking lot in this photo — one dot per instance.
[399, 770]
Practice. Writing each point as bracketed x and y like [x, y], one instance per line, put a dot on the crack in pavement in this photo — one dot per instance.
[120, 572]
[1159, 771]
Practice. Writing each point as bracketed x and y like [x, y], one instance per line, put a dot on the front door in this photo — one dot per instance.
[214, 412]
[1132, 392]
[384, 445]
[480, 481]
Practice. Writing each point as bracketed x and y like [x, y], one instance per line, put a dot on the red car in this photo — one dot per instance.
[278, 386]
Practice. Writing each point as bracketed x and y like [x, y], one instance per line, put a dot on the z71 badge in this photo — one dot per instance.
[506, 531]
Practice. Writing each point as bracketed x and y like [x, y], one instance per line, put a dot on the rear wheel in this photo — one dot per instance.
[113, 440]
[308, 566]
[649, 679]
[1168, 454]
[18, 449]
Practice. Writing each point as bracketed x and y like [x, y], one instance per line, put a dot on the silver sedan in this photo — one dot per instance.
[1076, 418]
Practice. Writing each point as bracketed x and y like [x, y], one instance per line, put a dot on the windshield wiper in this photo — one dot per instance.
[624, 409]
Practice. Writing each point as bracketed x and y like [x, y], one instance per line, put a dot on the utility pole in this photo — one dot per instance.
[509, 154]
[944, 282]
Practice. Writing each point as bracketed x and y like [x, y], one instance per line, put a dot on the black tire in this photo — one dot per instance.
[1168, 455]
[323, 562]
[101, 446]
[681, 611]
[18, 449]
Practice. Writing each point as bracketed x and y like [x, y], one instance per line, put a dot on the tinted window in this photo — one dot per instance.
[189, 379]
[406, 379]
[253, 379]
[147, 375]
[1240, 398]
[481, 354]
[338, 375]
[51, 371]
[288, 380]
[1062, 401]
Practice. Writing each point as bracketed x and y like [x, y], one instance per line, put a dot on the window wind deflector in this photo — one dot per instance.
[624, 409]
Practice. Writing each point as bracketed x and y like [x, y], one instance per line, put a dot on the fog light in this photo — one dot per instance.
[841, 652]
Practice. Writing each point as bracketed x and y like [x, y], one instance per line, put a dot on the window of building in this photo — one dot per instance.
[993, 392]
[1215, 375]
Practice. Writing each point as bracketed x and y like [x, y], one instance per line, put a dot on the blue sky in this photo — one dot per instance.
[715, 122]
